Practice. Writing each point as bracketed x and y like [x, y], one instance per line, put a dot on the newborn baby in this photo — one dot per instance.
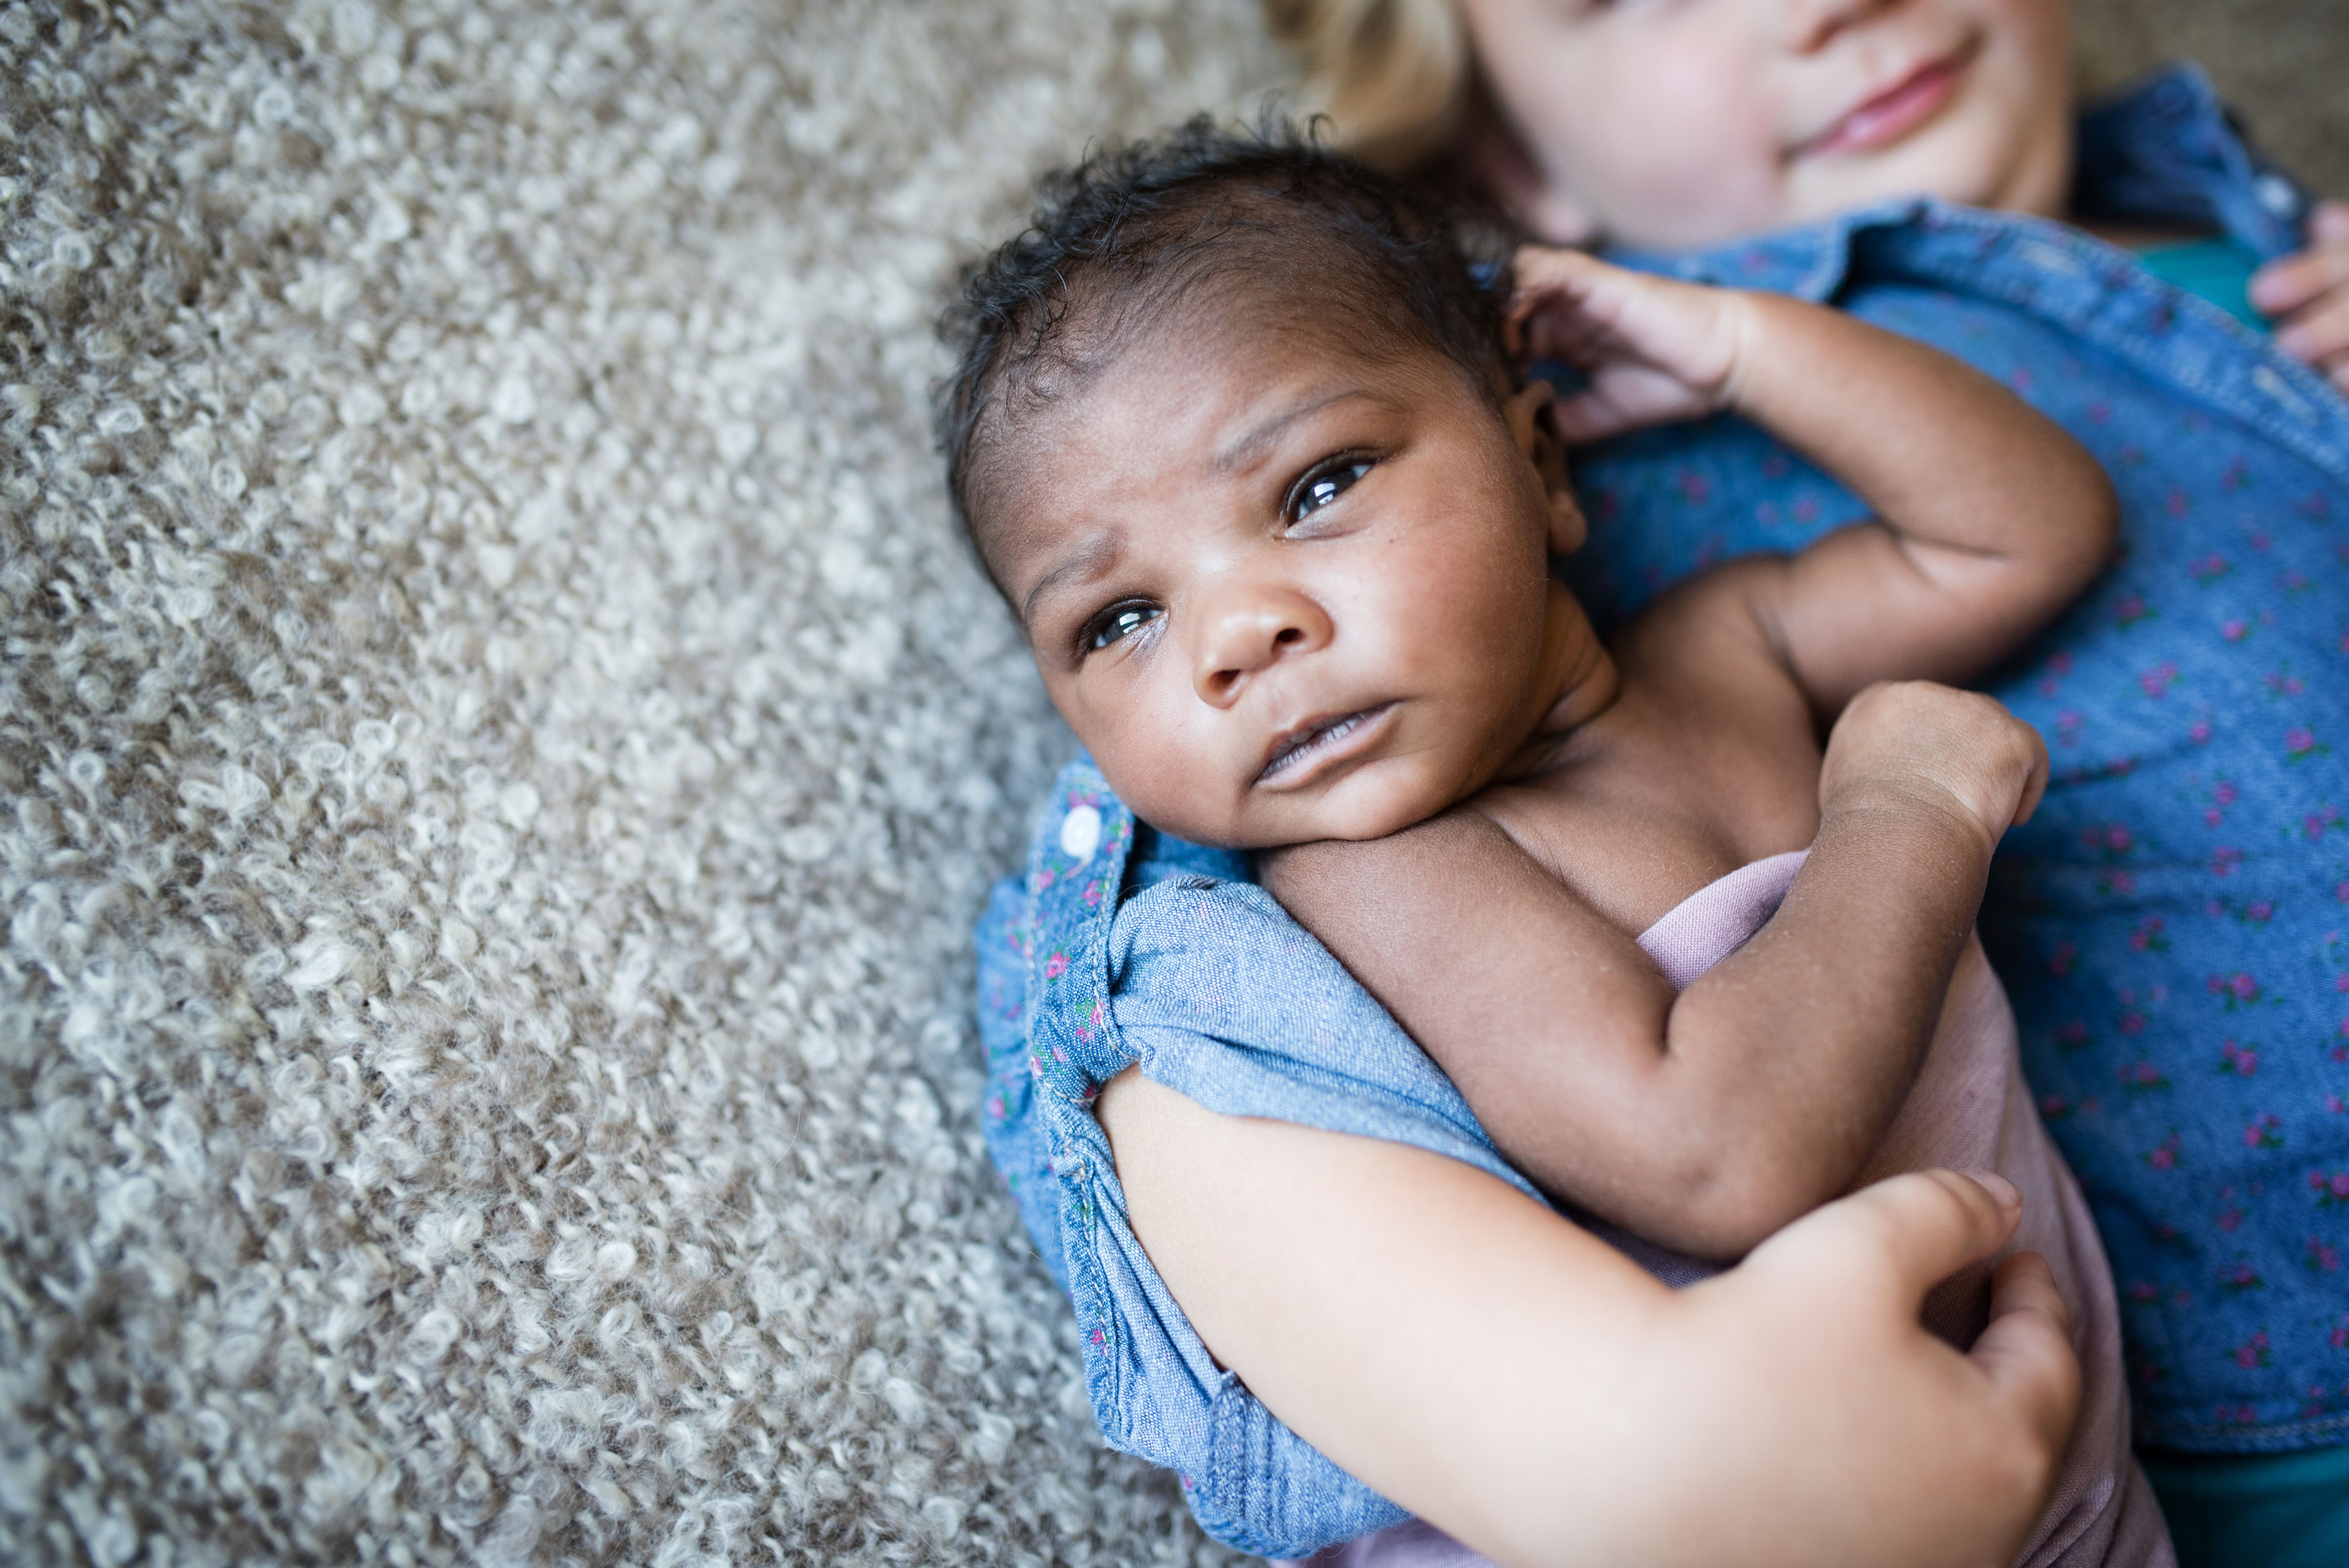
[1236, 433]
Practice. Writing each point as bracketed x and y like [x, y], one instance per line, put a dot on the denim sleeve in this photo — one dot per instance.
[1015, 1139]
[1225, 998]
[1221, 996]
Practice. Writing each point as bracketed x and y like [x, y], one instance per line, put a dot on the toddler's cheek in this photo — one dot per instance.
[2034, 37]
[1691, 153]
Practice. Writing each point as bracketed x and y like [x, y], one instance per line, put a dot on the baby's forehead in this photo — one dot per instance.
[1181, 395]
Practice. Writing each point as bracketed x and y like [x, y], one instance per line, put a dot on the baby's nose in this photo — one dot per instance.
[1249, 629]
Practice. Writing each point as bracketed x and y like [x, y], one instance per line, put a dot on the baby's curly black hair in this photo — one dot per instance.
[1119, 239]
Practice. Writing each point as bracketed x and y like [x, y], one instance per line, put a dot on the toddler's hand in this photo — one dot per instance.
[1966, 747]
[1989, 1425]
[1655, 350]
[2307, 293]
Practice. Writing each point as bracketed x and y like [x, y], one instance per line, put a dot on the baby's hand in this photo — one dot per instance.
[1964, 748]
[1655, 350]
[2307, 293]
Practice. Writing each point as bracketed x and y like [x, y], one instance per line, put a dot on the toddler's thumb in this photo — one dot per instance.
[2026, 1352]
[1904, 1234]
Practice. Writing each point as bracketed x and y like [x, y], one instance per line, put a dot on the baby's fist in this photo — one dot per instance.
[1922, 742]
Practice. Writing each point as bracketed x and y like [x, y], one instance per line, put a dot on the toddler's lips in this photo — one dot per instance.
[1895, 112]
[1302, 753]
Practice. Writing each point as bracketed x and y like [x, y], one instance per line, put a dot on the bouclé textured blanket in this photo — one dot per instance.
[500, 752]
[499, 749]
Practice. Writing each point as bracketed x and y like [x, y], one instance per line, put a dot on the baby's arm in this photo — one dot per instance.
[1705, 1119]
[1522, 1385]
[1988, 517]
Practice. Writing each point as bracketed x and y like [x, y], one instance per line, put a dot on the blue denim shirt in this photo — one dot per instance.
[1121, 945]
[2169, 926]
[2171, 923]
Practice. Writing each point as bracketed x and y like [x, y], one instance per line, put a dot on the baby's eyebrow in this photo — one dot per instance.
[1097, 552]
[1247, 448]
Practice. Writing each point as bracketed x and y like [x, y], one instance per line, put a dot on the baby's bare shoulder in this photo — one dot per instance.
[1458, 841]
[1715, 635]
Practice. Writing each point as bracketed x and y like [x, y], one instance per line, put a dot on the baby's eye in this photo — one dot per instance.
[1122, 621]
[1322, 488]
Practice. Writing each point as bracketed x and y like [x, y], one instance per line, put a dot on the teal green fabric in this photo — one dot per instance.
[2255, 1510]
[2220, 270]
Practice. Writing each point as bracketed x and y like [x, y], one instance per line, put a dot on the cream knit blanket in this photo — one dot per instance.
[500, 751]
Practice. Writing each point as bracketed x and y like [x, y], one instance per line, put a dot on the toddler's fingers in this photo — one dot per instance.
[2286, 283]
[2026, 1351]
[2320, 332]
[1927, 1225]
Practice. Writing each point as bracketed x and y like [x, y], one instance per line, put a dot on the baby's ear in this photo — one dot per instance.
[1531, 420]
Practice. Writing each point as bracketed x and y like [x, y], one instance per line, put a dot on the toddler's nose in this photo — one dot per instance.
[1247, 629]
[1810, 24]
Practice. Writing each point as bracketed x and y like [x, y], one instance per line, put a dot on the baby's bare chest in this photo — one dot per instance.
[1680, 796]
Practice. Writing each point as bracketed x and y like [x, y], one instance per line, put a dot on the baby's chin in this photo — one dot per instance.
[1369, 803]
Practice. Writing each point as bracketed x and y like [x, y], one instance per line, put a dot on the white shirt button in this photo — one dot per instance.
[1080, 833]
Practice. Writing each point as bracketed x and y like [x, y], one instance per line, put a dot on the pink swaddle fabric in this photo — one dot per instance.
[1969, 1110]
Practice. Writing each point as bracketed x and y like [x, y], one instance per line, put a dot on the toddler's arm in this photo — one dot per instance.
[1525, 1387]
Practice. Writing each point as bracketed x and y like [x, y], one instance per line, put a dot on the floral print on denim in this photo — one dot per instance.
[2173, 925]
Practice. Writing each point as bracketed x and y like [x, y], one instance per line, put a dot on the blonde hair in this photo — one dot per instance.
[1393, 75]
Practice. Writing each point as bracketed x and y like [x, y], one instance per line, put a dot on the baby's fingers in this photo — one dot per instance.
[1543, 272]
[1587, 418]
[1551, 289]
[1622, 397]
[2034, 787]
[2026, 1352]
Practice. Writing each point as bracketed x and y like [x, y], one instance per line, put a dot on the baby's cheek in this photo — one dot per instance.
[1170, 781]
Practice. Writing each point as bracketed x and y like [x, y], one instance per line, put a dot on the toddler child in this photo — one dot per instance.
[1234, 433]
[2170, 922]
